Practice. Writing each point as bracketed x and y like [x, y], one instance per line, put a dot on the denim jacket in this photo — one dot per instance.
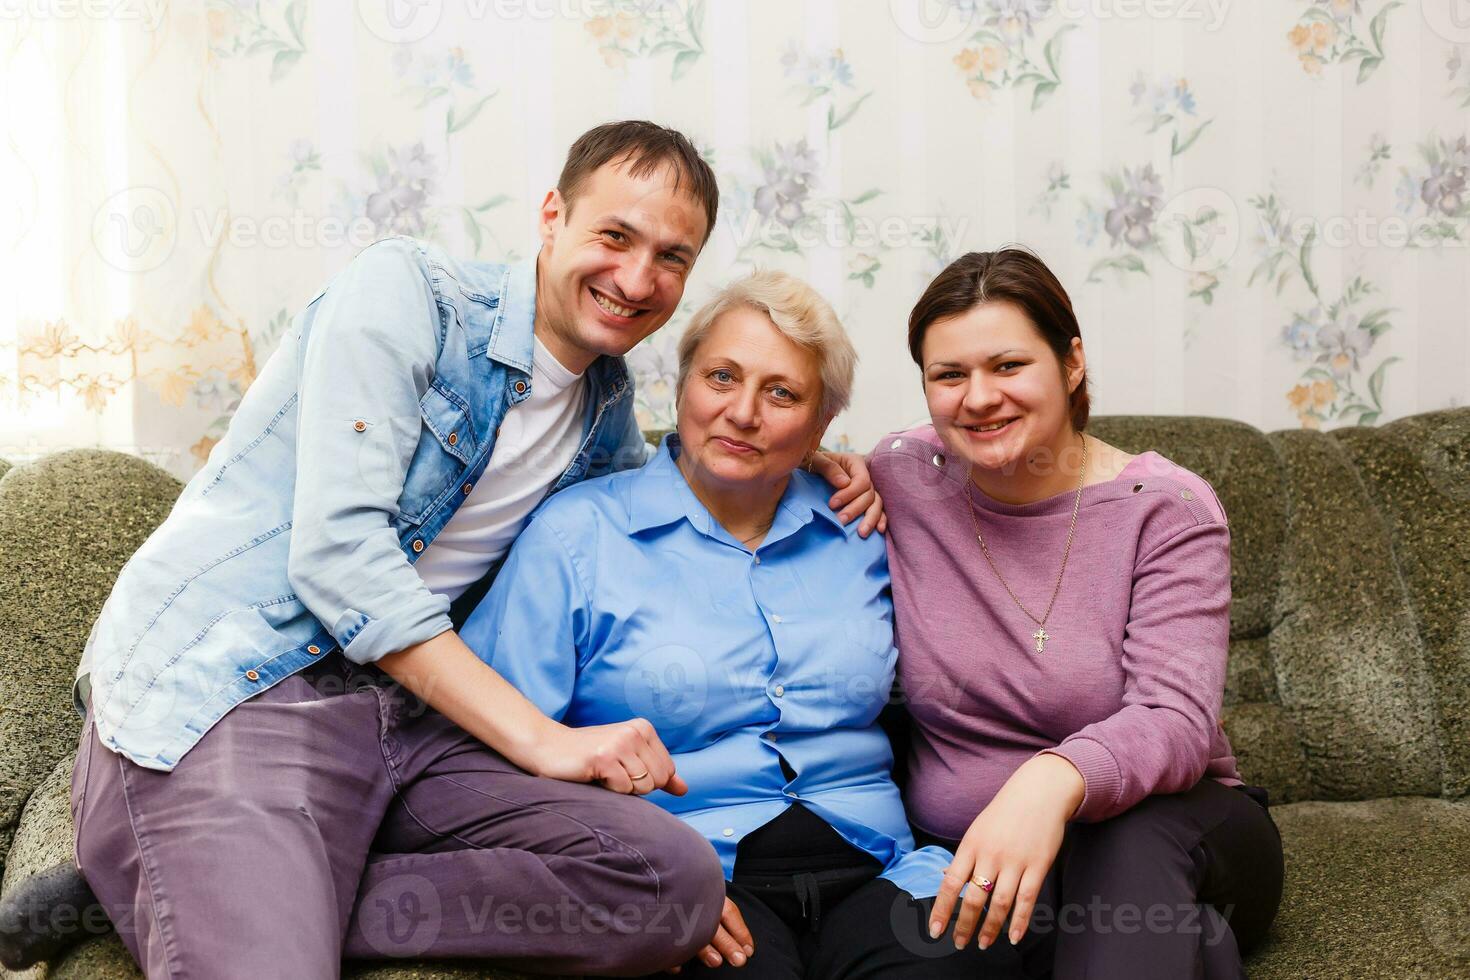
[362, 435]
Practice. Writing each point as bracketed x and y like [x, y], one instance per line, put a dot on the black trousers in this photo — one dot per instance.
[816, 909]
[1180, 886]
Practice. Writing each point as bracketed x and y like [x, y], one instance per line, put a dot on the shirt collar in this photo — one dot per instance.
[512, 340]
[660, 495]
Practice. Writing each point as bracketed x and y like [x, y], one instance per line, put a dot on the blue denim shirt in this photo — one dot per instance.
[362, 435]
[624, 598]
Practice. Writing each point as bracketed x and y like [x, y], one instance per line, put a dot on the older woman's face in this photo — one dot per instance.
[750, 410]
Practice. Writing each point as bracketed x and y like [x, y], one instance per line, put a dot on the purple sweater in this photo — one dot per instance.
[1129, 686]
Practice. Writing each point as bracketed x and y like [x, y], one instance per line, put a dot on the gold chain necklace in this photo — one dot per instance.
[1041, 635]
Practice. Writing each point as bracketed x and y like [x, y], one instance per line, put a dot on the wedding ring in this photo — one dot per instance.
[641, 775]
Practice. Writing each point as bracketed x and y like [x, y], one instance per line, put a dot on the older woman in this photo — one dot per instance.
[714, 594]
[1072, 603]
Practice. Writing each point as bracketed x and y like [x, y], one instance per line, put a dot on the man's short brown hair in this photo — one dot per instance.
[646, 147]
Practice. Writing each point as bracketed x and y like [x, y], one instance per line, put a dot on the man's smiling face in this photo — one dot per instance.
[613, 267]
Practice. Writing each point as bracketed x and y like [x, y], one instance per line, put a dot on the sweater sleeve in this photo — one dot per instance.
[1174, 653]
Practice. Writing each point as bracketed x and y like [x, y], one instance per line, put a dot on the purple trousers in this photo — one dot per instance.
[336, 815]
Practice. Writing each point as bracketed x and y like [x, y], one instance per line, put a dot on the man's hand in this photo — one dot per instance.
[732, 941]
[848, 472]
[627, 757]
[448, 676]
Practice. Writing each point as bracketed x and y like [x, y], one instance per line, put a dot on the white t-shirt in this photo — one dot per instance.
[537, 441]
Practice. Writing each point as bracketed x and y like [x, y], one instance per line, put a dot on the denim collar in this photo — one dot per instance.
[512, 339]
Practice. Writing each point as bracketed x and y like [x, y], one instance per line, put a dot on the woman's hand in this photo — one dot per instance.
[732, 941]
[848, 472]
[626, 757]
[1013, 843]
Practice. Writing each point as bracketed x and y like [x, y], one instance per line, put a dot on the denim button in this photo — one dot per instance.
[252, 675]
[360, 425]
[418, 546]
[313, 649]
[454, 438]
[467, 488]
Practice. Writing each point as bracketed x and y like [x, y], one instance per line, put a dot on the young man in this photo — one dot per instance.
[289, 754]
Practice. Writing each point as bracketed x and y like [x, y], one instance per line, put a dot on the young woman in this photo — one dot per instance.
[1063, 612]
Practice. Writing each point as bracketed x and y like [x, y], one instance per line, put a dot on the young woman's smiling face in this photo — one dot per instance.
[996, 392]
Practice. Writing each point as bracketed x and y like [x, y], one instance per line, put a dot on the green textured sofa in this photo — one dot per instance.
[1348, 693]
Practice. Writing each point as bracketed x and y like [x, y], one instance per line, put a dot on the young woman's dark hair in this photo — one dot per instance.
[1011, 275]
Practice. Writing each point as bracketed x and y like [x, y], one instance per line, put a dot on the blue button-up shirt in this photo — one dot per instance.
[346, 457]
[624, 598]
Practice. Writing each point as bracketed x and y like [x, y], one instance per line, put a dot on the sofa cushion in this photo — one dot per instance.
[1350, 668]
[1377, 888]
[68, 522]
[1417, 472]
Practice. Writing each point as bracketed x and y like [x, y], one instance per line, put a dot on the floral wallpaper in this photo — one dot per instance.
[1261, 212]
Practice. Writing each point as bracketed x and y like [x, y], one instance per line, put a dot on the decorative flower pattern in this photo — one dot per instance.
[1327, 33]
[1005, 52]
[630, 29]
[244, 28]
[1335, 339]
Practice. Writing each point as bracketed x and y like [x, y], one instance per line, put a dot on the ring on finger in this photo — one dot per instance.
[984, 883]
[641, 775]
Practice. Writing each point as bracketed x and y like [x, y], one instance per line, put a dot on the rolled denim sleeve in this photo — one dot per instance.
[368, 357]
[535, 619]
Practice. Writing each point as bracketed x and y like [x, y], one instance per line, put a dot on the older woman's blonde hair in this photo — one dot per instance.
[802, 316]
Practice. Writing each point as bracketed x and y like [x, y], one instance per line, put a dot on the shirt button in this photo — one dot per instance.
[252, 675]
[757, 559]
[313, 649]
[1187, 494]
[895, 444]
[467, 488]
[360, 425]
[454, 438]
[520, 387]
[769, 736]
[776, 619]
[780, 690]
[728, 831]
[418, 546]
[938, 459]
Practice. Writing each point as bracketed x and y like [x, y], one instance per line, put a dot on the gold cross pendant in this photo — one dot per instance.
[1041, 636]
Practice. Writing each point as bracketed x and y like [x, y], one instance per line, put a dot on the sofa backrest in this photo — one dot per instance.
[1339, 687]
[68, 522]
